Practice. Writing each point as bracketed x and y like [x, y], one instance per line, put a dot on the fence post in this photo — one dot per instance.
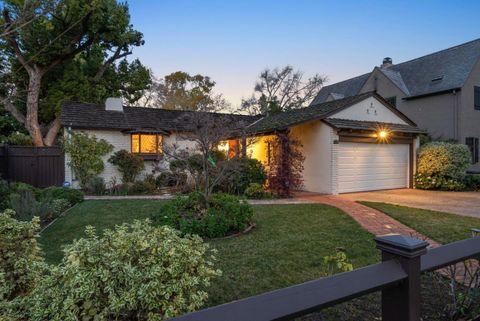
[402, 302]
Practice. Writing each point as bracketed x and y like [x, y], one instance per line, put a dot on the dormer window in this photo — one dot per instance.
[147, 144]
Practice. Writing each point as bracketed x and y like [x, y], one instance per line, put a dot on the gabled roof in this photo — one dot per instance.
[346, 88]
[434, 73]
[94, 116]
[314, 112]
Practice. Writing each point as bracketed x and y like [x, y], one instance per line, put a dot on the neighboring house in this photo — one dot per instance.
[353, 144]
[440, 92]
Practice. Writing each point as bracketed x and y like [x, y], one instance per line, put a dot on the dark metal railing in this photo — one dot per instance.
[397, 276]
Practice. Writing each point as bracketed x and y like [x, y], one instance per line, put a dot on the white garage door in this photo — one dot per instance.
[367, 167]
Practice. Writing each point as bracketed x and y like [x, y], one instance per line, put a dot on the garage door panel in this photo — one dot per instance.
[364, 167]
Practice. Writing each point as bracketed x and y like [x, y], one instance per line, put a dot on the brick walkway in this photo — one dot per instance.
[370, 219]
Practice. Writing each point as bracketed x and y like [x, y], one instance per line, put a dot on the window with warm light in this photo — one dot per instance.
[147, 143]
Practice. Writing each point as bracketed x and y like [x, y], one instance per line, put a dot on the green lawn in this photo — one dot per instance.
[286, 248]
[439, 226]
[101, 214]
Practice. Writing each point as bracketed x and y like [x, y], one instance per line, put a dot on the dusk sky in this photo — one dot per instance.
[232, 41]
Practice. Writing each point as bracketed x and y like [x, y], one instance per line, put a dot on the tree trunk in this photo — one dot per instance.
[32, 125]
[52, 132]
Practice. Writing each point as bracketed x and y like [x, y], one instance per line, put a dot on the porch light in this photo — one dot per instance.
[383, 134]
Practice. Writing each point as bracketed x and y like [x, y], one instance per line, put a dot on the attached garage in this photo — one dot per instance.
[355, 144]
[367, 167]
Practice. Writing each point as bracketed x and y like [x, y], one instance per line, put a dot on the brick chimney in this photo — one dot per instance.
[387, 62]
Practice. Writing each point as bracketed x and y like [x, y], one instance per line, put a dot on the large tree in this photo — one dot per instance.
[181, 91]
[282, 89]
[52, 50]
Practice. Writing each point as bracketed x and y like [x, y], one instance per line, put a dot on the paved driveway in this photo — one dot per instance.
[463, 203]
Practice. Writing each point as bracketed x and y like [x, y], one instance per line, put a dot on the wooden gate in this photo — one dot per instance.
[37, 166]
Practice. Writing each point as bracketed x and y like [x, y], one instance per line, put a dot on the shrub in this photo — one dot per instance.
[434, 182]
[246, 172]
[17, 186]
[141, 187]
[442, 159]
[135, 272]
[86, 155]
[26, 207]
[19, 254]
[171, 179]
[59, 206]
[472, 182]
[128, 164]
[18, 139]
[224, 214]
[73, 196]
[256, 191]
[4, 194]
[96, 186]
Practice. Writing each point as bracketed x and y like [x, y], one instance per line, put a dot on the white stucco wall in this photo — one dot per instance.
[369, 109]
[319, 171]
[119, 140]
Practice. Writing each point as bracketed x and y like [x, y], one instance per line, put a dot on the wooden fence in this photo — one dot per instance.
[37, 166]
[397, 277]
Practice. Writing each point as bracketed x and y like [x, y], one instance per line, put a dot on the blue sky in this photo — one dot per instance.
[232, 41]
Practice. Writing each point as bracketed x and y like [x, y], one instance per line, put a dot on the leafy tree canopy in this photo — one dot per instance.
[54, 50]
[182, 91]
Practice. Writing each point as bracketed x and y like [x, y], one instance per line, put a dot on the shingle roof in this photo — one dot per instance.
[297, 116]
[346, 88]
[85, 115]
[451, 67]
[371, 125]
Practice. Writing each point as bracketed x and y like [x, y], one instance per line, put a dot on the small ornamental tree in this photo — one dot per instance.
[86, 153]
[286, 164]
[128, 164]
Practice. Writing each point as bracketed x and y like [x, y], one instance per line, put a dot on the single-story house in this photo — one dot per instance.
[358, 143]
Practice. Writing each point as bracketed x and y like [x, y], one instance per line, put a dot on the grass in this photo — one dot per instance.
[439, 226]
[100, 214]
[286, 247]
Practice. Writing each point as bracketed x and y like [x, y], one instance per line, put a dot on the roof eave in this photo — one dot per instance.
[434, 93]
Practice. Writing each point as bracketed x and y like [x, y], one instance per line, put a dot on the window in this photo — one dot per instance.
[472, 143]
[230, 148]
[392, 101]
[476, 97]
[147, 143]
